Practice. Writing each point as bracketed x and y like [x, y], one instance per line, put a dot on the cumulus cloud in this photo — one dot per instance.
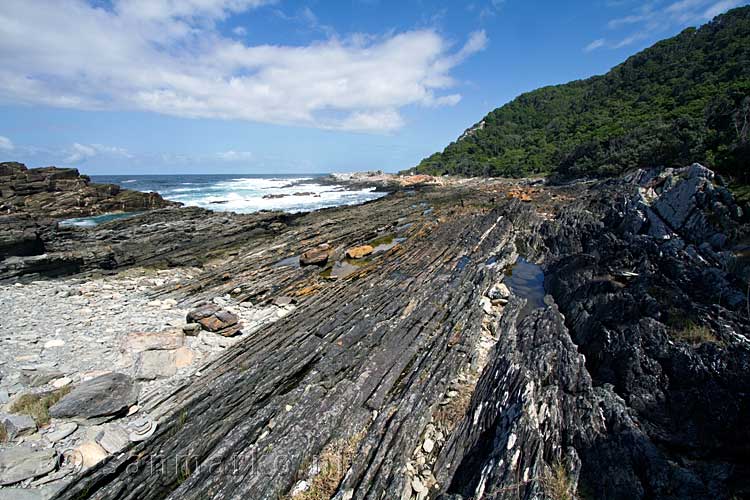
[649, 19]
[168, 56]
[6, 144]
[79, 153]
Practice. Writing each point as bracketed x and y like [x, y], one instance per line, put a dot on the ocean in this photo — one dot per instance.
[245, 193]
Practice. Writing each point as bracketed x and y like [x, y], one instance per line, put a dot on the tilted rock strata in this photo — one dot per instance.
[630, 383]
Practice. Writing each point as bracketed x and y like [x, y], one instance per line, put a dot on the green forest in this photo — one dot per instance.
[683, 100]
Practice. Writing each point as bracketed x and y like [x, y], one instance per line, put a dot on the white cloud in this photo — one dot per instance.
[79, 153]
[235, 155]
[649, 20]
[720, 7]
[6, 144]
[594, 45]
[167, 56]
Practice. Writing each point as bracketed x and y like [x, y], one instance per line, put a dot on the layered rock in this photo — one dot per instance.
[422, 369]
[59, 193]
[33, 200]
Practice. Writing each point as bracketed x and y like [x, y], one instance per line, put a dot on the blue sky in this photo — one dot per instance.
[264, 86]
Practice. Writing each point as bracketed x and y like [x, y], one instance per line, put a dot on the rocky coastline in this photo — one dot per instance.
[457, 339]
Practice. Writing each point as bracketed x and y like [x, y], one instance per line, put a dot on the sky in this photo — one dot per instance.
[283, 86]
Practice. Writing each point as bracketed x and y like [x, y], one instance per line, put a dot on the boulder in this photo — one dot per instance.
[106, 395]
[183, 357]
[315, 256]
[214, 319]
[151, 365]
[191, 329]
[201, 312]
[499, 291]
[21, 462]
[359, 252]
[113, 438]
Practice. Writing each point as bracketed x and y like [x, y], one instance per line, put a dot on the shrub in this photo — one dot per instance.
[557, 483]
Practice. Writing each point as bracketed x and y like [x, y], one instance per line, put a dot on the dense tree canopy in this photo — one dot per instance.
[682, 100]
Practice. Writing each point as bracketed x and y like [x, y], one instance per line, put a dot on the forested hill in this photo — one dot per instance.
[682, 100]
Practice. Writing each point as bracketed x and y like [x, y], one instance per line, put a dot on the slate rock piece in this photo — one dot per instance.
[105, 395]
[21, 462]
[17, 425]
[37, 378]
[315, 256]
[151, 365]
[146, 341]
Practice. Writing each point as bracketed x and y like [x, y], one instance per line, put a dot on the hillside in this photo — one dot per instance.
[684, 99]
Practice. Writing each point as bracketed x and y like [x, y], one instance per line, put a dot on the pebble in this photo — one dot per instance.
[428, 445]
[61, 382]
[61, 431]
[416, 485]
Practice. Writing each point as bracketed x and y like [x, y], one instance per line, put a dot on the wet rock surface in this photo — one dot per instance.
[426, 370]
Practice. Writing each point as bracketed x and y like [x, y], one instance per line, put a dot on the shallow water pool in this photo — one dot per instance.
[526, 280]
[96, 220]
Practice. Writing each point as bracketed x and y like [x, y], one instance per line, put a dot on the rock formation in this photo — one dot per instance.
[33, 200]
[421, 371]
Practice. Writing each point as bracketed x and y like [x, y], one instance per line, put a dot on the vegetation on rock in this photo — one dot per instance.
[682, 100]
[37, 405]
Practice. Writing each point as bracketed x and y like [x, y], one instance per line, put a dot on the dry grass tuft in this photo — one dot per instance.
[557, 483]
[333, 462]
[3, 434]
[37, 405]
[695, 334]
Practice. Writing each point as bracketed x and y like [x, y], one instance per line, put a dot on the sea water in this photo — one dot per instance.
[245, 193]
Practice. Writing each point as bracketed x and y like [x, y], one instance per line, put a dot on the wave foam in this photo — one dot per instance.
[245, 195]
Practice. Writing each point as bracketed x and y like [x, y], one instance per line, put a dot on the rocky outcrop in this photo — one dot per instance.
[33, 200]
[59, 193]
[422, 372]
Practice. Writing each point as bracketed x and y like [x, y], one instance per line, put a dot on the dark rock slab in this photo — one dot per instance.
[106, 395]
